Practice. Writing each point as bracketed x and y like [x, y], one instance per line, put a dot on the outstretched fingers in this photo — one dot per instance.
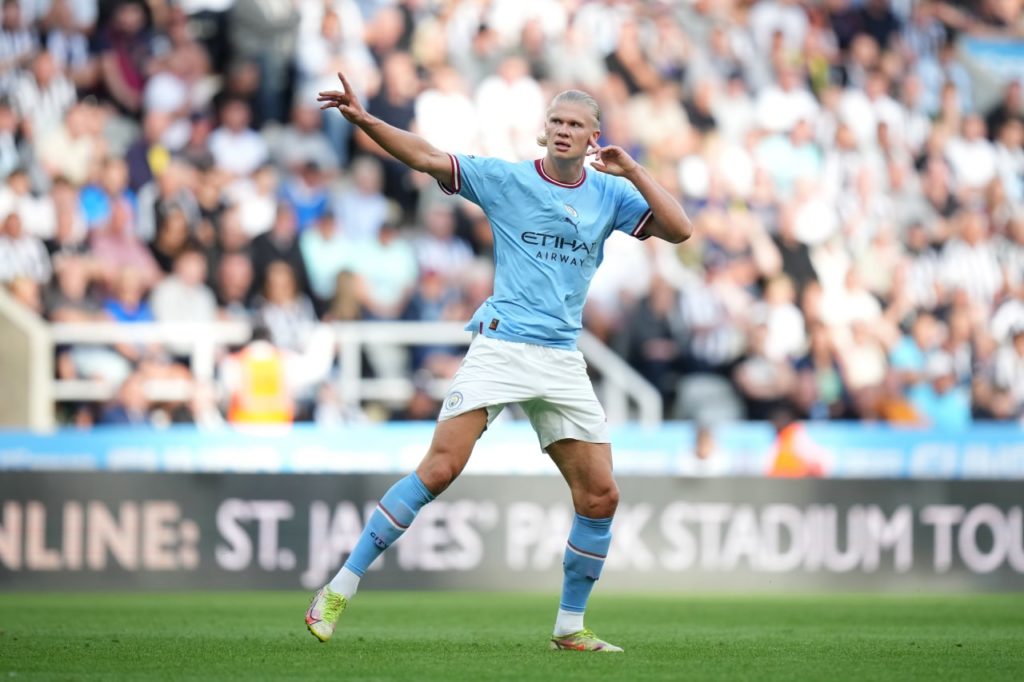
[344, 82]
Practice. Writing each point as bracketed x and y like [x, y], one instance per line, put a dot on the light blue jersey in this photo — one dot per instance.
[548, 241]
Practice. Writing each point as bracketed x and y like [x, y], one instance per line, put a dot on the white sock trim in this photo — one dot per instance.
[345, 583]
[568, 622]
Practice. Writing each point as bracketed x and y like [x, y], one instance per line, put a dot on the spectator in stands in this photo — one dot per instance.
[784, 324]
[795, 254]
[1009, 108]
[125, 46]
[326, 250]
[1009, 153]
[345, 306]
[387, 273]
[183, 295]
[72, 300]
[280, 243]
[256, 200]
[131, 407]
[941, 70]
[362, 206]
[170, 191]
[820, 391]
[1009, 371]
[439, 249]
[512, 104]
[304, 141]
[331, 40]
[37, 213]
[779, 107]
[127, 301]
[1010, 250]
[18, 44]
[283, 309]
[446, 115]
[263, 37]
[651, 338]
[971, 155]
[307, 192]
[43, 95]
[118, 248]
[171, 239]
[764, 383]
[22, 254]
[909, 357]
[395, 104]
[13, 151]
[435, 300]
[98, 198]
[69, 222]
[969, 260]
[944, 405]
[237, 149]
[627, 65]
[70, 24]
[126, 304]
[233, 283]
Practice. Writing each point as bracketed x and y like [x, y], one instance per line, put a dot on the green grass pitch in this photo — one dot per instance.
[486, 636]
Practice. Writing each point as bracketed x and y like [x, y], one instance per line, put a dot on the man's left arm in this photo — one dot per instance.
[668, 220]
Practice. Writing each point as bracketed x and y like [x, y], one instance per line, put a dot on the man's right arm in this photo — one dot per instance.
[409, 148]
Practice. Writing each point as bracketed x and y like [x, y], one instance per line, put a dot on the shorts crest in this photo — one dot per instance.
[453, 400]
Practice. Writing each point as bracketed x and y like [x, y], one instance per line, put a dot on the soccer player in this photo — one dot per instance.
[550, 219]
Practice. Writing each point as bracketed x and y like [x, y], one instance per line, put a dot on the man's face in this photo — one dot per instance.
[570, 129]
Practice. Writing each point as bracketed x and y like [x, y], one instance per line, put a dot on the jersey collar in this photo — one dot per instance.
[540, 170]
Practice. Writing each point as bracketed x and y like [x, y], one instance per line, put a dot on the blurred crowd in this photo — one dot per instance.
[859, 242]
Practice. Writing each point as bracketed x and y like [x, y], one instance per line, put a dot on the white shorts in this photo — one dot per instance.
[551, 384]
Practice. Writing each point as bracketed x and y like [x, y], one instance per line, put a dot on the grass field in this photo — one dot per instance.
[438, 636]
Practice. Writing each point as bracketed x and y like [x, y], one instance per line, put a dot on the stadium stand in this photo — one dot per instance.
[856, 182]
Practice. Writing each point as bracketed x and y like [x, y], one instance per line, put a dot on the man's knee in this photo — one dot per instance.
[440, 467]
[600, 502]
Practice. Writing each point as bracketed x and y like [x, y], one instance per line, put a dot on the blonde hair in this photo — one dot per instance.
[575, 97]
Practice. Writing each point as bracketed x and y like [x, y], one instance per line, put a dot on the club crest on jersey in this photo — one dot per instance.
[453, 400]
[574, 220]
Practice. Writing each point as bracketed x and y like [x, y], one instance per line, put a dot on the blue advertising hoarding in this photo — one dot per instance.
[841, 450]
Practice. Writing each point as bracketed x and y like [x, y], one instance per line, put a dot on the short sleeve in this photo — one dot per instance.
[632, 212]
[476, 178]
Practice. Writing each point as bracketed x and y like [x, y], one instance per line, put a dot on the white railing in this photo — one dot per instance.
[620, 386]
[625, 394]
[201, 340]
[26, 366]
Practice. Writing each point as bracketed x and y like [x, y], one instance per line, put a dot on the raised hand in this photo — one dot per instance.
[612, 160]
[345, 100]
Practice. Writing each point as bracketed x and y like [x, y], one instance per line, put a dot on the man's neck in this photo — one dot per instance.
[567, 171]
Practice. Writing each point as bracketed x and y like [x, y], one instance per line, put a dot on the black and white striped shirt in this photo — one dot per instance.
[973, 268]
[25, 256]
[45, 106]
[712, 338]
[15, 46]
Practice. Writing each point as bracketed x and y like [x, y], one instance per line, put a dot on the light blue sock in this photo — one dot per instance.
[393, 516]
[585, 552]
